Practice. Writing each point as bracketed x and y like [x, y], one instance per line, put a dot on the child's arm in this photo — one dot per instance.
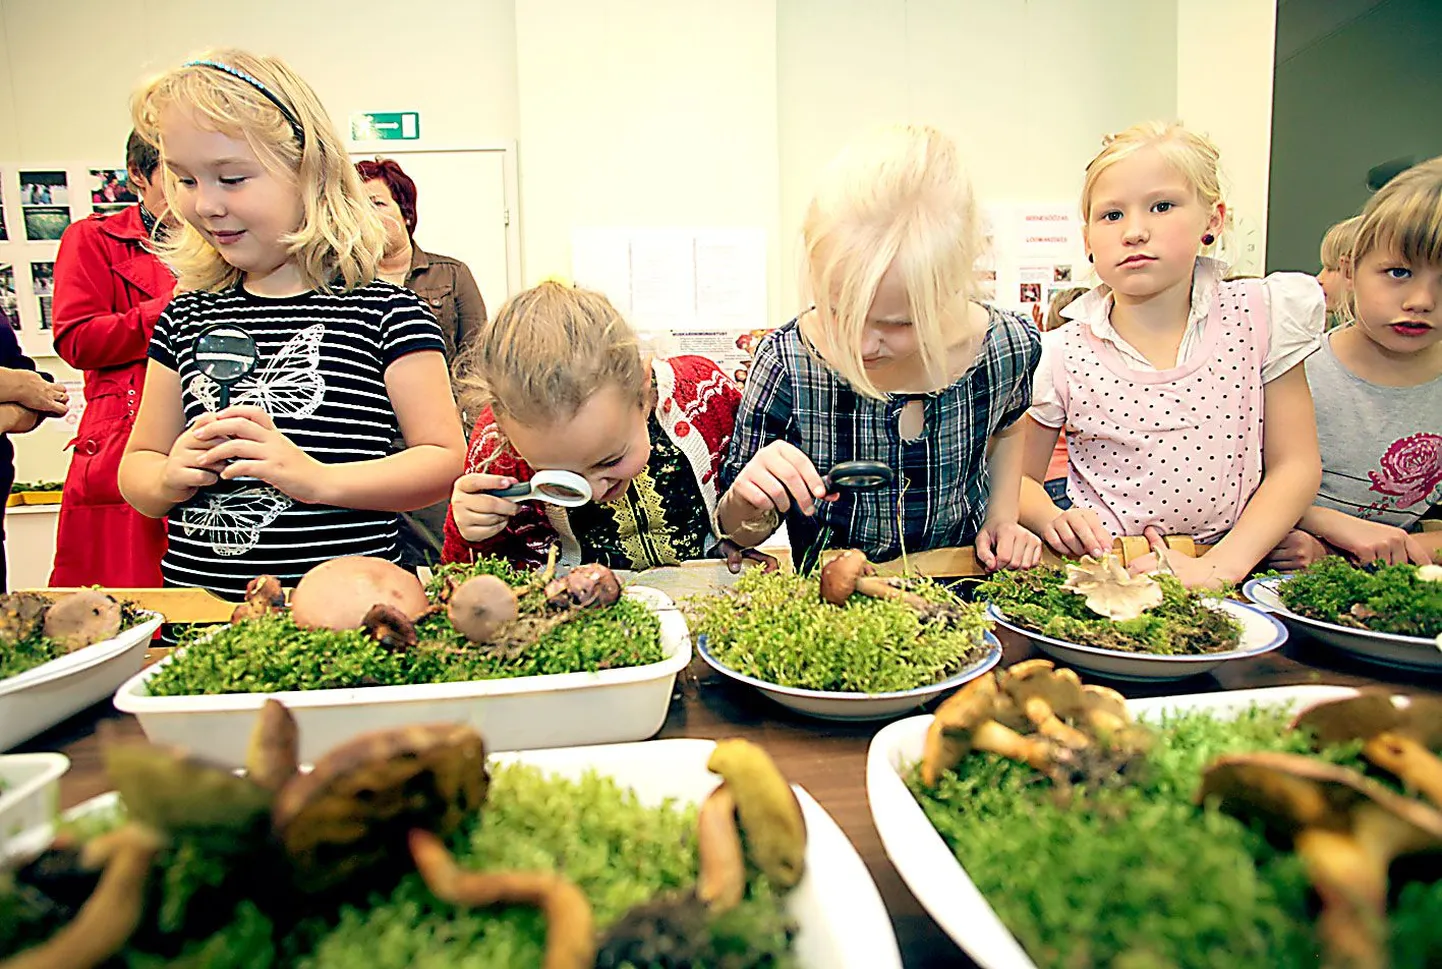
[1363, 540]
[419, 389]
[164, 463]
[1076, 531]
[1002, 543]
[1292, 471]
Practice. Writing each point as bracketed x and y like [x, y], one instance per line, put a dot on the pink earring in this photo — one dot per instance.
[1208, 239]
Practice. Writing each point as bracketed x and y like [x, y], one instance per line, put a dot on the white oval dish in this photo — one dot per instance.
[842, 921]
[1260, 634]
[829, 705]
[1388, 649]
[41, 697]
[934, 874]
[517, 713]
[29, 792]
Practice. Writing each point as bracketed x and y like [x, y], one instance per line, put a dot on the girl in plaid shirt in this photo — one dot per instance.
[894, 363]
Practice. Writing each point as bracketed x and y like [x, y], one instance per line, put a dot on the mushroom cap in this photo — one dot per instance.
[21, 615]
[353, 811]
[1291, 792]
[1111, 590]
[1372, 712]
[481, 607]
[82, 618]
[169, 790]
[969, 707]
[337, 594]
[839, 575]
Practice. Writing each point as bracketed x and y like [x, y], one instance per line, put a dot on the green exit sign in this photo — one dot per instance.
[385, 126]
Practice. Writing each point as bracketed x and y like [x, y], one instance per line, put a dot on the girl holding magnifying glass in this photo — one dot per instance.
[559, 382]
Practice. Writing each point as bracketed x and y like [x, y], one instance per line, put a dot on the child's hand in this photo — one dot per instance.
[777, 476]
[245, 443]
[737, 556]
[1193, 573]
[1078, 531]
[480, 516]
[1369, 542]
[1006, 545]
[188, 467]
[1297, 551]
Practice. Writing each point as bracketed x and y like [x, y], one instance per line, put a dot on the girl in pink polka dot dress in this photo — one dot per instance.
[1180, 394]
[1378, 386]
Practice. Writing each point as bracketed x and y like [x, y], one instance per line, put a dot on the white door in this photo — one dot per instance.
[462, 211]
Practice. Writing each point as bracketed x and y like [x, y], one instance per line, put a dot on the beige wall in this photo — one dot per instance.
[682, 112]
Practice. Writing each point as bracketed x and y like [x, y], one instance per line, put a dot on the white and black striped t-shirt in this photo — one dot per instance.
[321, 378]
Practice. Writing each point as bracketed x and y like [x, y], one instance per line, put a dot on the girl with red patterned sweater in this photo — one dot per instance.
[558, 382]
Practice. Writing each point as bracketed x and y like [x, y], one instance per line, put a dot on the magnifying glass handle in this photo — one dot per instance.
[224, 396]
[514, 491]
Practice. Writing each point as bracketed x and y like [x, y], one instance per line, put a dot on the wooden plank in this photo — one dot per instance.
[176, 605]
[961, 562]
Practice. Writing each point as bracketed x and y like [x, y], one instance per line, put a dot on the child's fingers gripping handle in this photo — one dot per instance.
[478, 483]
[524, 488]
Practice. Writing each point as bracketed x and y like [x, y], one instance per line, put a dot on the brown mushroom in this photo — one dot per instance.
[1111, 590]
[766, 806]
[849, 572]
[388, 626]
[1399, 734]
[721, 881]
[264, 596]
[22, 615]
[337, 594]
[273, 756]
[1347, 830]
[354, 810]
[82, 618]
[583, 587]
[966, 721]
[481, 607]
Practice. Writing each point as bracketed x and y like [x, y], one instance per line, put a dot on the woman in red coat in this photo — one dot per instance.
[109, 292]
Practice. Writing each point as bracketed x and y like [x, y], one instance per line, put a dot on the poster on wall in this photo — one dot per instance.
[45, 202]
[1035, 251]
[110, 190]
[42, 283]
[730, 350]
[4, 233]
[9, 300]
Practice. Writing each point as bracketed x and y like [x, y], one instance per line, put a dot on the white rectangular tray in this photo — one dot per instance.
[934, 874]
[29, 792]
[843, 923]
[39, 698]
[516, 713]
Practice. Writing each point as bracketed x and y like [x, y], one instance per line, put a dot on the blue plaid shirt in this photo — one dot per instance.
[791, 395]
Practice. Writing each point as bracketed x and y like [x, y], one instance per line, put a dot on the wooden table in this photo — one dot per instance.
[828, 759]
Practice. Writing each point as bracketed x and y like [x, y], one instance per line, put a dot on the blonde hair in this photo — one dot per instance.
[1337, 243]
[548, 351]
[1191, 155]
[339, 235]
[897, 197]
[1404, 217]
[1059, 302]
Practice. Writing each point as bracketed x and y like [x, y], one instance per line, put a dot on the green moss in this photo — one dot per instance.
[1382, 598]
[1180, 626]
[273, 654]
[773, 626]
[1139, 875]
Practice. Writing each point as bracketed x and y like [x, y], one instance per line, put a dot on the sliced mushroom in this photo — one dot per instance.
[849, 572]
[966, 722]
[1347, 830]
[1110, 590]
[1399, 734]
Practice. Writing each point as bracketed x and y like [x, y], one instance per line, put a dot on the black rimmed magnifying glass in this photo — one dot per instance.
[225, 353]
[858, 476]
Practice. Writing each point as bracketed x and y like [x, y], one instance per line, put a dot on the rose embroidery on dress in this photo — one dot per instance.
[1411, 468]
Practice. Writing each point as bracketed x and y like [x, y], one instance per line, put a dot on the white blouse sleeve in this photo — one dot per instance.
[1296, 314]
[1047, 407]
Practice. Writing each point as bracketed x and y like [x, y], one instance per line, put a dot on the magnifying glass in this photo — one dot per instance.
[225, 353]
[858, 476]
[564, 488]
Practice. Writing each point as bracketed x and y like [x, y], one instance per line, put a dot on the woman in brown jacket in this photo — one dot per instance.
[449, 289]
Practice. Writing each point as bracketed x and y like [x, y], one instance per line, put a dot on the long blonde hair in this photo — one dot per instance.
[1405, 218]
[1192, 155]
[899, 196]
[1337, 243]
[548, 351]
[339, 240]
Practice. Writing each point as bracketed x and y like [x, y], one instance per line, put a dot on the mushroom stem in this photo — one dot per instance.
[722, 879]
[112, 912]
[1049, 725]
[879, 588]
[1353, 889]
[1006, 742]
[570, 933]
[1409, 760]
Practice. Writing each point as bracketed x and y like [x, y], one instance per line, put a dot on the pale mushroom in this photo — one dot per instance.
[1347, 830]
[966, 721]
[1399, 734]
[1111, 590]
